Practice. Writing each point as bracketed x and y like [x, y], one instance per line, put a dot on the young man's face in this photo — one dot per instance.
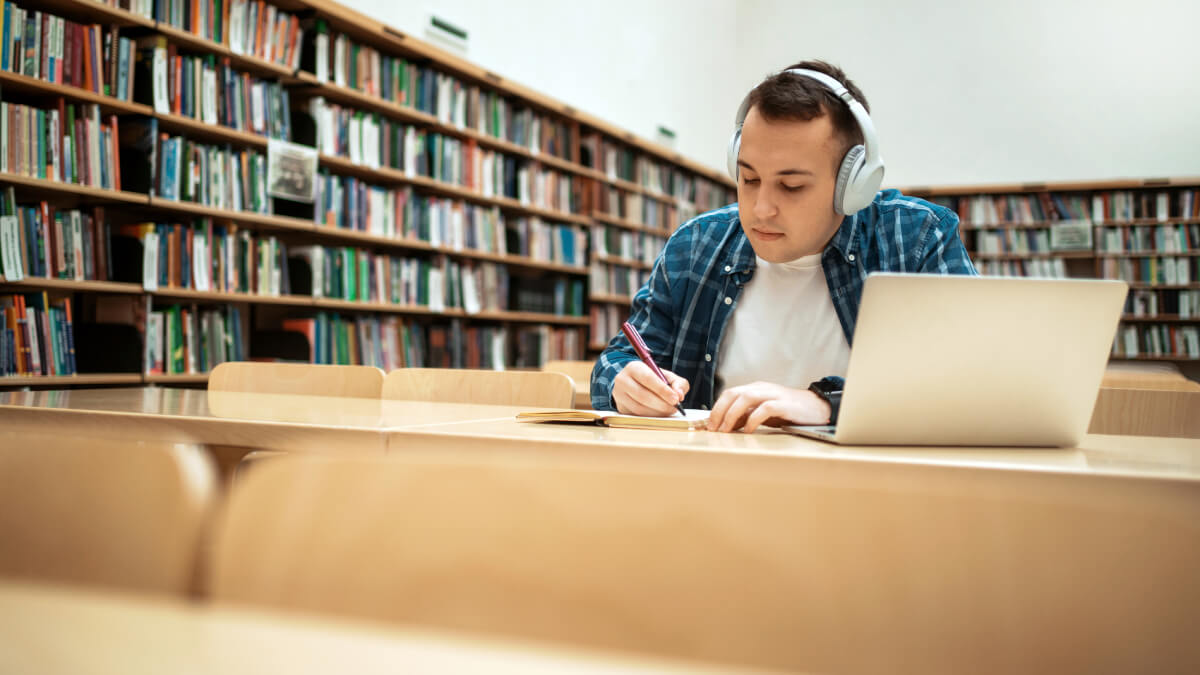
[785, 185]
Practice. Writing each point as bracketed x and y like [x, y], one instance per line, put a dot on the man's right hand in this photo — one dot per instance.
[638, 391]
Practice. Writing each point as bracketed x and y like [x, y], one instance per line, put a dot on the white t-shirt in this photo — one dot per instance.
[784, 329]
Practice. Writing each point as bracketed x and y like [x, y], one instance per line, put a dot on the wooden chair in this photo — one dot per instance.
[126, 514]
[831, 566]
[1147, 412]
[297, 378]
[1161, 376]
[580, 373]
[495, 387]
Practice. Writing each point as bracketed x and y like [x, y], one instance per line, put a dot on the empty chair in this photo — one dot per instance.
[820, 565]
[125, 514]
[297, 378]
[580, 373]
[495, 387]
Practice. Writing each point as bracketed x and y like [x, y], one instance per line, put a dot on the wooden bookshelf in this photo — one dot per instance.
[610, 298]
[1143, 214]
[624, 262]
[147, 206]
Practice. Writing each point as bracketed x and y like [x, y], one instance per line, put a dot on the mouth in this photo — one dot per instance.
[766, 235]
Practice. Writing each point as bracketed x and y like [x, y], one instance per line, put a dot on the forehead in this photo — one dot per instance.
[768, 145]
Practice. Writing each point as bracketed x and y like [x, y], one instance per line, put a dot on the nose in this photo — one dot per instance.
[764, 204]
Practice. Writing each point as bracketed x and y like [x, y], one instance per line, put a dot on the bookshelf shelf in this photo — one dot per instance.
[97, 12]
[627, 262]
[1033, 255]
[1148, 286]
[1062, 186]
[53, 187]
[209, 132]
[1159, 318]
[181, 378]
[262, 220]
[357, 306]
[33, 85]
[611, 299]
[66, 380]
[72, 285]
[214, 296]
[530, 317]
[244, 62]
[597, 346]
[1147, 357]
[628, 224]
[1147, 254]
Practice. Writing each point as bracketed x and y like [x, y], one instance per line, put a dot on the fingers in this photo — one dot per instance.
[762, 414]
[638, 391]
[732, 409]
[679, 384]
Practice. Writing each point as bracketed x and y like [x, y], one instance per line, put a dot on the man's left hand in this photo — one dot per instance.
[751, 405]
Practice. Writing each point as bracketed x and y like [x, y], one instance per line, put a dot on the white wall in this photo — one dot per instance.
[1003, 90]
[636, 64]
[968, 92]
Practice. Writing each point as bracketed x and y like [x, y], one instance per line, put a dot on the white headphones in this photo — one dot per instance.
[861, 170]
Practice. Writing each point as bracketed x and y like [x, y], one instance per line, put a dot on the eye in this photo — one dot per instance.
[750, 181]
[793, 188]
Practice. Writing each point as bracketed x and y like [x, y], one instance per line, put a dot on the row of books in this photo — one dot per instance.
[1183, 303]
[436, 282]
[1012, 241]
[1034, 267]
[1157, 340]
[48, 47]
[202, 256]
[247, 27]
[605, 322]
[210, 90]
[1149, 238]
[564, 297]
[346, 202]
[39, 240]
[67, 143]
[617, 241]
[617, 161]
[392, 342]
[1152, 270]
[397, 80]
[616, 279]
[183, 339]
[636, 208]
[1099, 207]
[689, 191]
[178, 168]
[36, 335]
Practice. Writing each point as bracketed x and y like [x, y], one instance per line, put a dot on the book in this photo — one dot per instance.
[693, 421]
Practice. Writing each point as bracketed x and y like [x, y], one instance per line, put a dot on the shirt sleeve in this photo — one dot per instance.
[946, 253]
[654, 316]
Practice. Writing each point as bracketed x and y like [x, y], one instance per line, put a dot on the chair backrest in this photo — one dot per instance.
[495, 387]
[579, 371]
[127, 514]
[833, 566]
[1126, 411]
[1163, 376]
[297, 378]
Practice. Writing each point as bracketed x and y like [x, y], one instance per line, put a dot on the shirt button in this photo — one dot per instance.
[708, 357]
[728, 300]
[728, 268]
[850, 257]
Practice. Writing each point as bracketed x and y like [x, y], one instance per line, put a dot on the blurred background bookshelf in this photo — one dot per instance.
[1144, 231]
[459, 218]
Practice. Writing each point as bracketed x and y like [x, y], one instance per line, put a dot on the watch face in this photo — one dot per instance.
[825, 388]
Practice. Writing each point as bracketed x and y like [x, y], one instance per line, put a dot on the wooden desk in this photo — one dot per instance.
[216, 418]
[51, 630]
[902, 559]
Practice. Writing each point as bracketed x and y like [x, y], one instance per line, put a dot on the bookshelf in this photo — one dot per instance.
[1145, 231]
[459, 229]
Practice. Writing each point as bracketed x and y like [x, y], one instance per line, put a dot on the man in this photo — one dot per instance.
[757, 301]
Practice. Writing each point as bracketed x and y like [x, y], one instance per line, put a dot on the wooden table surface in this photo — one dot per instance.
[51, 630]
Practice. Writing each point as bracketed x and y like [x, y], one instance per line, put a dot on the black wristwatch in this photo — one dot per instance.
[829, 389]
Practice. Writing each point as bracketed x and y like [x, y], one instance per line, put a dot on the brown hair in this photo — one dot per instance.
[785, 96]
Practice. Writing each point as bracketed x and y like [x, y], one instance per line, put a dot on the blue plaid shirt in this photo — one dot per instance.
[684, 307]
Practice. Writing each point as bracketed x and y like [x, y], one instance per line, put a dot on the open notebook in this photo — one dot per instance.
[695, 419]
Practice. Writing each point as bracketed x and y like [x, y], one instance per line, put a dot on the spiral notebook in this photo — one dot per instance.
[694, 420]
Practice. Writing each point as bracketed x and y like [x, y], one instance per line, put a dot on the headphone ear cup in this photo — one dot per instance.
[731, 154]
[851, 164]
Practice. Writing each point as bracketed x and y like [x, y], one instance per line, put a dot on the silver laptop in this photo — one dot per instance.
[957, 360]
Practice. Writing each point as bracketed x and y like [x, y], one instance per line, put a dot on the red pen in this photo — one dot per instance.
[643, 353]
